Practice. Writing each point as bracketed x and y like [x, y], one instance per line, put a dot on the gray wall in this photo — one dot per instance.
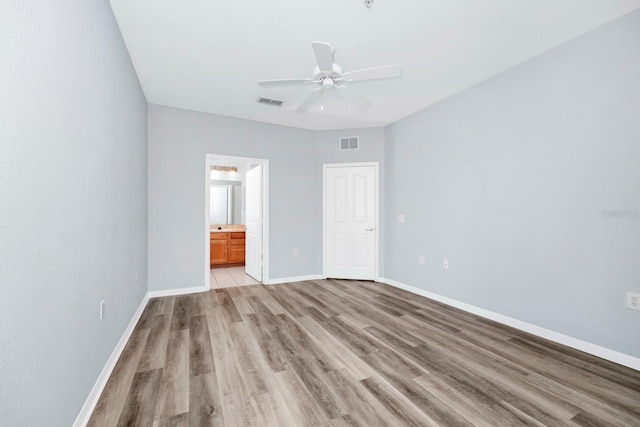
[508, 181]
[178, 143]
[371, 148]
[72, 204]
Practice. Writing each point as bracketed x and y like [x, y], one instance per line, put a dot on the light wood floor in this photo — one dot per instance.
[343, 353]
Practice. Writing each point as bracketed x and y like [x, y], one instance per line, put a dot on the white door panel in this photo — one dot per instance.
[253, 242]
[350, 220]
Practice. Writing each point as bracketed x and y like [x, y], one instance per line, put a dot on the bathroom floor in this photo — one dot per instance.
[230, 277]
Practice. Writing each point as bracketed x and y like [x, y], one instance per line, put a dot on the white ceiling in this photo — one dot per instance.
[207, 55]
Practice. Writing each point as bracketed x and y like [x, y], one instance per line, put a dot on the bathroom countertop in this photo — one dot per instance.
[228, 228]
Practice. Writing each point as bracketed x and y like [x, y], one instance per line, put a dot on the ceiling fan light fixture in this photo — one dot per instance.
[328, 83]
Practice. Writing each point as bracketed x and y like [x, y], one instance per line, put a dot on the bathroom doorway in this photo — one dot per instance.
[236, 229]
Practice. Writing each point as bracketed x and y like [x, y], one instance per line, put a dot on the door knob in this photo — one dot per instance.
[369, 229]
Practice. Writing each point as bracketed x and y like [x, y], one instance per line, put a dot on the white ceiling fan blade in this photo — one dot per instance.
[284, 82]
[324, 55]
[353, 97]
[311, 99]
[376, 73]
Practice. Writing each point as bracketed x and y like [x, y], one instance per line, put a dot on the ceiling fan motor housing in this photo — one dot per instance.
[328, 80]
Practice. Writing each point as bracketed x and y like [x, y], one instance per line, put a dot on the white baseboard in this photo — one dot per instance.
[587, 347]
[173, 292]
[101, 382]
[293, 279]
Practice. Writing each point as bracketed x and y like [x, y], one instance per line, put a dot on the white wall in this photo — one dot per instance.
[72, 203]
[508, 180]
[178, 143]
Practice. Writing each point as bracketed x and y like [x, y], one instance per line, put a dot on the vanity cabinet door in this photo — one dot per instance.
[236, 247]
[219, 248]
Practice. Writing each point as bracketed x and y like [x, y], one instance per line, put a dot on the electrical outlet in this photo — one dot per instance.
[633, 301]
[101, 309]
[420, 259]
[295, 252]
[401, 218]
[445, 264]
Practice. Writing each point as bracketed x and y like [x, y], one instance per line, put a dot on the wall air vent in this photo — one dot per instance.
[269, 101]
[348, 143]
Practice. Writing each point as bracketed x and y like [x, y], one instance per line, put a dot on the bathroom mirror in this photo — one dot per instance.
[225, 202]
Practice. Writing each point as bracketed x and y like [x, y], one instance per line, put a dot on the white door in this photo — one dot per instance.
[253, 204]
[350, 221]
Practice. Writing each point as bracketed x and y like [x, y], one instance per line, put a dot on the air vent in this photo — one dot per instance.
[348, 143]
[269, 101]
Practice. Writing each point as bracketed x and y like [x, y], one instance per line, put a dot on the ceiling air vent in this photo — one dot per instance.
[348, 143]
[269, 101]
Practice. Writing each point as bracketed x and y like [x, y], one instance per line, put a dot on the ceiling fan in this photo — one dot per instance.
[330, 76]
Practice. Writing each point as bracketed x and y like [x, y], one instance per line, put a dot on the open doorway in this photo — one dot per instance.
[236, 221]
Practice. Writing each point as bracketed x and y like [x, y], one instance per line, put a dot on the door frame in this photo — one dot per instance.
[210, 160]
[376, 204]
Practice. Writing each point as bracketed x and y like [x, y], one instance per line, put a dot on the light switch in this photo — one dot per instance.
[401, 218]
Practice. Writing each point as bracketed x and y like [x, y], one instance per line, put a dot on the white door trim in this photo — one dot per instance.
[210, 160]
[376, 203]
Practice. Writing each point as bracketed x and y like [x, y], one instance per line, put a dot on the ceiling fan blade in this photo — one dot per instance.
[376, 73]
[311, 99]
[324, 55]
[353, 97]
[284, 82]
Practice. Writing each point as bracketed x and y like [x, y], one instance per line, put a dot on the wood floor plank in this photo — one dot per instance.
[396, 403]
[181, 313]
[240, 301]
[149, 312]
[266, 298]
[303, 408]
[311, 301]
[254, 369]
[287, 303]
[200, 352]
[165, 306]
[350, 353]
[271, 410]
[205, 408]
[236, 402]
[153, 356]
[173, 398]
[361, 404]
[423, 399]
[270, 349]
[505, 373]
[109, 406]
[229, 308]
[139, 409]
[179, 420]
[462, 402]
[350, 336]
[262, 316]
[351, 362]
